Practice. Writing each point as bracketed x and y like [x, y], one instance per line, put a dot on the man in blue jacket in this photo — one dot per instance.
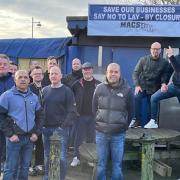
[21, 120]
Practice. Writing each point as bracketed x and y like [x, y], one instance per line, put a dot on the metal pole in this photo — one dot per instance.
[32, 26]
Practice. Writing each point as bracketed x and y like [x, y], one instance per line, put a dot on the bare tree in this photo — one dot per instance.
[156, 2]
[145, 2]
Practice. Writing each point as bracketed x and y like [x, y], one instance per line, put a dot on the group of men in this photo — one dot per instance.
[78, 108]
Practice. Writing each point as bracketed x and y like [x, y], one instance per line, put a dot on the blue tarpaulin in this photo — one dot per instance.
[33, 48]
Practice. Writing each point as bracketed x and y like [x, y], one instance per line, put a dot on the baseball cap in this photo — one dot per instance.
[87, 65]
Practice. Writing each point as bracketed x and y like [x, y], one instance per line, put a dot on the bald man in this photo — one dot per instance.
[113, 106]
[21, 119]
[150, 74]
[60, 111]
[76, 74]
[171, 90]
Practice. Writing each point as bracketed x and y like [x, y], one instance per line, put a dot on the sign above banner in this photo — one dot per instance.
[128, 20]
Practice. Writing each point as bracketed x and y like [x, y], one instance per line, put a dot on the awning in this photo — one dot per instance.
[34, 48]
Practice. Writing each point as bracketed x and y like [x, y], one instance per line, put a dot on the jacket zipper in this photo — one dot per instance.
[26, 114]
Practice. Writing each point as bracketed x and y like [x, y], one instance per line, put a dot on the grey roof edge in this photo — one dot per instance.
[76, 18]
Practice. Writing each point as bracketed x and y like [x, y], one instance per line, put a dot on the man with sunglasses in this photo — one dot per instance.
[150, 74]
[170, 90]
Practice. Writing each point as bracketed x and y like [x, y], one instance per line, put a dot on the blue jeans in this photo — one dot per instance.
[2, 148]
[18, 154]
[85, 130]
[138, 105]
[106, 144]
[63, 140]
[173, 91]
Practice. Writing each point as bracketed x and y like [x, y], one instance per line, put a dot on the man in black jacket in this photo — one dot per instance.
[149, 75]
[69, 80]
[168, 91]
[76, 74]
[113, 106]
[36, 88]
[51, 61]
[83, 91]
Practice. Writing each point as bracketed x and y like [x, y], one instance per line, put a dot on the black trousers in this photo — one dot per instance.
[39, 152]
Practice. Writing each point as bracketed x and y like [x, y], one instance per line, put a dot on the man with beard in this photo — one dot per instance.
[150, 74]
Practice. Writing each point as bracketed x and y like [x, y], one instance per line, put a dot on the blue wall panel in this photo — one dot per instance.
[107, 56]
[128, 58]
[89, 53]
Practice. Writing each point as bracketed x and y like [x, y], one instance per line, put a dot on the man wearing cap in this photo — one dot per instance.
[83, 91]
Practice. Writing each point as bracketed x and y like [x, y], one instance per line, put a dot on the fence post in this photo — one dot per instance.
[147, 157]
[54, 159]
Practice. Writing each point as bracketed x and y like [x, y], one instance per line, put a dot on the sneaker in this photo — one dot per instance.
[132, 122]
[151, 124]
[32, 171]
[136, 124]
[39, 170]
[75, 162]
[91, 164]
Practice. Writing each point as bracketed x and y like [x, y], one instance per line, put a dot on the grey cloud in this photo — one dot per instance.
[51, 13]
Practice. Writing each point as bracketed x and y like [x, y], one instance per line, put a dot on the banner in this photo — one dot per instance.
[129, 20]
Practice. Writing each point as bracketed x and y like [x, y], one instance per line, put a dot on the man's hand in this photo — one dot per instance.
[169, 52]
[164, 88]
[34, 137]
[14, 138]
[137, 90]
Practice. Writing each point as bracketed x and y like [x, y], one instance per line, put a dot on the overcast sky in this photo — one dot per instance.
[16, 16]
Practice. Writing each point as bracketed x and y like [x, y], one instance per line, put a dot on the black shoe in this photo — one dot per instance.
[39, 170]
[32, 171]
[136, 124]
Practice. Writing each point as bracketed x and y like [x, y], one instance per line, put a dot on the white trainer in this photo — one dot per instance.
[132, 122]
[151, 124]
[91, 164]
[75, 162]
